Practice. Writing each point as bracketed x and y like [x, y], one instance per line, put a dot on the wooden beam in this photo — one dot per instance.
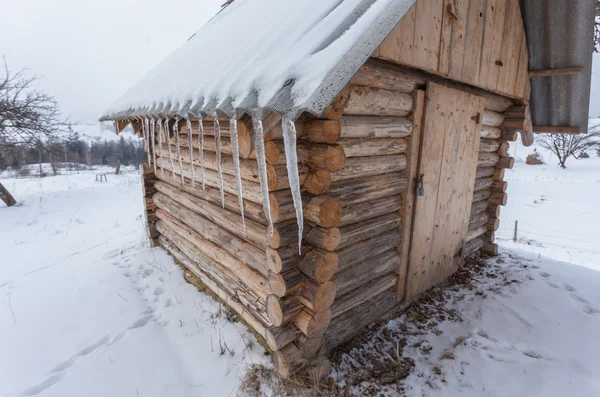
[549, 129]
[555, 72]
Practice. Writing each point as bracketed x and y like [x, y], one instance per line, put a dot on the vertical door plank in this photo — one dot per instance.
[450, 144]
[495, 18]
[459, 33]
[456, 188]
[509, 53]
[446, 38]
[421, 39]
[474, 39]
[434, 128]
[434, 34]
[522, 75]
[398, 45]
[441, 262]
[407, 216]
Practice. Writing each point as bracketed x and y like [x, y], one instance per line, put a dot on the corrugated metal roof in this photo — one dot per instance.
[259, 55]
[559, 35]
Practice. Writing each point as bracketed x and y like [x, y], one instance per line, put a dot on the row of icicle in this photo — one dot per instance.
[289, 138]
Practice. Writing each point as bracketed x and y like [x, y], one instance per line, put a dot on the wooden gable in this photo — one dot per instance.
[478, 42]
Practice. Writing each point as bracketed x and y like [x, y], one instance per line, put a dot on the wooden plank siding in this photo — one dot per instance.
[481, 43]
[448, 162]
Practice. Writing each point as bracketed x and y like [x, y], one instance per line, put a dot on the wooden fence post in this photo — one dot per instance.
[515, 234]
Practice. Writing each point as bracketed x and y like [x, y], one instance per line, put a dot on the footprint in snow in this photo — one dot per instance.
[142, 321]
[545, 274]
[159, 291]
[590, 310]
[37, 389]
[569, 288]
[552, 285]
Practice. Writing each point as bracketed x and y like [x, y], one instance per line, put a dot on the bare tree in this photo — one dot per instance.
[28, 117]
[570, 145]
[597, 28]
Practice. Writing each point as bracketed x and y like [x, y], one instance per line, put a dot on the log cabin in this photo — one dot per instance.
[321, 170]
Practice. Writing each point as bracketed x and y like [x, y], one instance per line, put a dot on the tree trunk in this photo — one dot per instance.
[6, 196]
[40, 160]
[118, 167]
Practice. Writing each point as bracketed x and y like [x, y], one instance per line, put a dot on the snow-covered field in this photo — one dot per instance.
[87, 308]
[558, 211]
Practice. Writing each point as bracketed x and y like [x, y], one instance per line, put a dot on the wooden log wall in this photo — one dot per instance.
[283, 296]
[354, 172]
[375, 127]
[499, 129]
[148, 190]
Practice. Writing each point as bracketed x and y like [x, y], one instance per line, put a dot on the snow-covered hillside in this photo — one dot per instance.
[557, 210]
[87, 308]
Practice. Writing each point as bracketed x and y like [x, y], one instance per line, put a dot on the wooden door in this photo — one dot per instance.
[448, 163]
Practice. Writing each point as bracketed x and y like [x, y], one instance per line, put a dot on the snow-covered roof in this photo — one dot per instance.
[270, 55]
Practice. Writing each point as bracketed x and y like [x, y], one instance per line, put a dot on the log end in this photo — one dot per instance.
[323, 131]
[274, 207]
[288, 361]
[274, 311]
[274, 261]
[271, 152]
[319, 323]
[327, 266]
[317, 181]
[490, 249]
[324, 297]
[271, 177]
[244, 140]
[335, 158]
[331, 213]
[277, 284]
[493, 224]
[274, 239]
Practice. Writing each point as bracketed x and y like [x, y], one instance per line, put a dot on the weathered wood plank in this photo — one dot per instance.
[407, 226]
[366, 101]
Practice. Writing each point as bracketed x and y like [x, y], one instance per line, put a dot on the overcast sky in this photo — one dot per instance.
[88, 52]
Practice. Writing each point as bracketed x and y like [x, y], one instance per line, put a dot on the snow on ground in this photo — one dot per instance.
[87, 308]
[526, 326]
[558, 210]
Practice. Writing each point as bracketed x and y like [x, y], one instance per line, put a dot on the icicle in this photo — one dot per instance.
[169, 147]
[161, 137]
[176, 132]
[188, 125]
[218, 146]
[235, 151]
[116, 126]
[291, 156]
[146, 138]
[259, 143]
[152, 138]
[201, 144]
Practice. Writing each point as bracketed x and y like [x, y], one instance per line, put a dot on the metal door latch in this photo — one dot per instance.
[420, 191]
